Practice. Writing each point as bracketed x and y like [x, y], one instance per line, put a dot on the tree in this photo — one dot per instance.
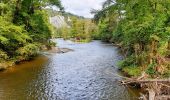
[24, 27]
[141, 28]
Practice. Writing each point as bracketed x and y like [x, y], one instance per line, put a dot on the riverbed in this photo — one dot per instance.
[89, 72]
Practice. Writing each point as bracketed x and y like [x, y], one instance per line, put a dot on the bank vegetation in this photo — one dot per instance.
[24, 28]
[141, 28]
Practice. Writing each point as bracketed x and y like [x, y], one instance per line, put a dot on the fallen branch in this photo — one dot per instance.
[145, 81]
[155, 87]
[163, 97]
[164, 85]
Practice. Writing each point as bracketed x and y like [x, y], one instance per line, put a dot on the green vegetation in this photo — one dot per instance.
[78, 28]
[82, 30]
[24, 27]
[142, 29]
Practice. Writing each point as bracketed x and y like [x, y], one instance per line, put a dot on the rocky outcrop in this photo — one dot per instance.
[58, 21]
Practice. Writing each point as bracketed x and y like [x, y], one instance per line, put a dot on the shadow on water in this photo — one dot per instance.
[87, 73]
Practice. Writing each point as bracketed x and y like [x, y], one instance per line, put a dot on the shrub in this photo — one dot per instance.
[3, 56]
[151, 69]
[28, 51]
[130, 61]
[132, 70]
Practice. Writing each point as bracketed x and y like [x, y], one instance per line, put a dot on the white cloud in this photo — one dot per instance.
[82, 7]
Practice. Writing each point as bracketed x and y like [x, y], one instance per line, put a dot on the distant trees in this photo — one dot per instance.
[80, 29]
[141, 28]
[83, 29]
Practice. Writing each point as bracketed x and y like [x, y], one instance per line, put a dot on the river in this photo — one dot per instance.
[87, 73]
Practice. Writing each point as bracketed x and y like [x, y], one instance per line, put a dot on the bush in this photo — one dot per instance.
[3, 56]
[28, 51]
[151, 69]
[130, 61]
[132, 70]
[40, 28]
[166, 74]
[130, 66]
[50, 44]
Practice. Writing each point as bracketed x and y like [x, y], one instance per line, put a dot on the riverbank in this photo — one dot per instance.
[68, 46]
[6, 64]
[153, 87]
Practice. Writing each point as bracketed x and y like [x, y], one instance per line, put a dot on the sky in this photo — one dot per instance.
[82, 7]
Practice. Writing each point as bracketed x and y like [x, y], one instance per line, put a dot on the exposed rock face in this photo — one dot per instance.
[58, 21]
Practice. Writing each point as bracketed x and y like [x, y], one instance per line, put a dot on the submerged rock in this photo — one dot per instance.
[60, 50]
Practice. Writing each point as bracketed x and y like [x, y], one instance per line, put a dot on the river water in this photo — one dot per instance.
[87, 73]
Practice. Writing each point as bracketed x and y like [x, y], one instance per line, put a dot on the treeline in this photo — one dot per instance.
[82, 30]
[24, 26]
[142, 30]
[78, 28]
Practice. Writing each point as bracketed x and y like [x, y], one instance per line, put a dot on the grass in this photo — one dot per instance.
[132, 70]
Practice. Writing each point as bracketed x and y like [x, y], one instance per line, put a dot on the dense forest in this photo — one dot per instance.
[141, 28]
[24, 28]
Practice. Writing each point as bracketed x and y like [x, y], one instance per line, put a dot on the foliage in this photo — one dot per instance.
[79, 29]
[27, 52]
[132, 70]
[130, 61]
[41, 29]
[12, 37]
[24, 24]
[3, 56]
[141, 28]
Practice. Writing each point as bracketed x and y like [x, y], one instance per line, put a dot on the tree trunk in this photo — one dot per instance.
[17, 9]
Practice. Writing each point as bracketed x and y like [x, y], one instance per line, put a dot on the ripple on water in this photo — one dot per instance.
[87, 73]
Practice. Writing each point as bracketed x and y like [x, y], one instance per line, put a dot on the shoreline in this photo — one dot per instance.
[151, 88]
[7, 64]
